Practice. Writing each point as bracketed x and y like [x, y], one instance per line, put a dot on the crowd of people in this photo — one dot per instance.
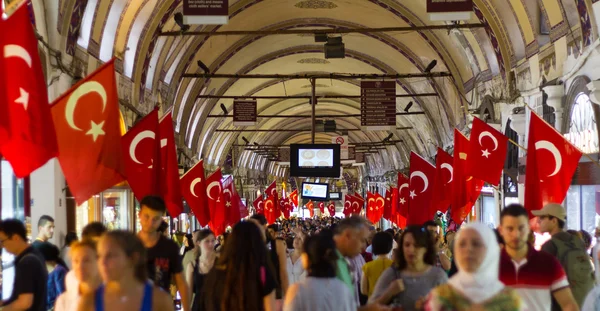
[299, 264]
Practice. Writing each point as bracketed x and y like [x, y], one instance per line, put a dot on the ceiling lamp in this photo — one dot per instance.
[178, 17]
[334, 48]
[430, 66]
[203, 66]
[320, 37]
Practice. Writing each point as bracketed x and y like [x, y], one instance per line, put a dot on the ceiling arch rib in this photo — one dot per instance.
[283, 138]
[371, 61]
[397, 46]
[323, 107]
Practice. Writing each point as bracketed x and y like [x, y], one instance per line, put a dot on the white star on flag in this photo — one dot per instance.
[485, 153]
[228, 204]
[402, 201]
[96, 130]
[23, 99]
[412, 194]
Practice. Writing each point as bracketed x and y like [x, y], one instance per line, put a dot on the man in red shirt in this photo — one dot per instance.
[536, 276]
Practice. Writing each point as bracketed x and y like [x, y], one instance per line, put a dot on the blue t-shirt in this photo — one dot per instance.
[56, 284]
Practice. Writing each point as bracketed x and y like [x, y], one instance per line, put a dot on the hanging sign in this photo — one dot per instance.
[205, 12]
[378, 105]
[343, 142]
[244, 112]
[449, 10]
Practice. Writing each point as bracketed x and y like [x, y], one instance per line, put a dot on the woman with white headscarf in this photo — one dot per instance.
[476, 285]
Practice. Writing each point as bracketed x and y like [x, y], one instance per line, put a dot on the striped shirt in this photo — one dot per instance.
[535, 278]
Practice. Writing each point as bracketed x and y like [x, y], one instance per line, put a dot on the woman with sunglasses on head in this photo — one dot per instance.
[122, 265]
[408, 281]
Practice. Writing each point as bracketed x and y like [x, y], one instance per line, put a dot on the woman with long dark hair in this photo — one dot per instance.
[242, 278]
[196, 271]
[122, 266]
[316, 291]
[408, 281]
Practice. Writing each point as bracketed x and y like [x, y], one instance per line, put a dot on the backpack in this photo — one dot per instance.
[578, 267]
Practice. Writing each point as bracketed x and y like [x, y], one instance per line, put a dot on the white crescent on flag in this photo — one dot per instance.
[488, 134]
[450, 169]
[193, 185]
[544, 144]
[136, 140]
[209, 188]
[423, 177]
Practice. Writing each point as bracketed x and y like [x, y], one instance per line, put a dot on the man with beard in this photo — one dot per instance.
[536, 276]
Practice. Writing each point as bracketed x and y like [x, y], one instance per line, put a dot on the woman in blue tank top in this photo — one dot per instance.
[122, 265]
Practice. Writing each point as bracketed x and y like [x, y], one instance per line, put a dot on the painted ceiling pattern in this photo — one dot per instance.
[517, 34]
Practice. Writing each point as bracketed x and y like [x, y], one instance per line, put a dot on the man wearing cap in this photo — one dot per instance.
[568, 249]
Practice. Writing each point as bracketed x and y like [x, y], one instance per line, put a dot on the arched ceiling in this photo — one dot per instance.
[131, 31]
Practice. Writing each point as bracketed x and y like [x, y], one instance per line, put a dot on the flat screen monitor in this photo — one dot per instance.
[315, 160]
[315, 191]
[335, 196]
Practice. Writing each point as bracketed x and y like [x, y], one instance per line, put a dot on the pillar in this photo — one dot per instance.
[555, 100]
[48, 198]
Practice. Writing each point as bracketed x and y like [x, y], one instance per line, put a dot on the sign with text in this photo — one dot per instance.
[378, 105]
[449, 10]
[205, 12]
[343, 142]
[244, 112]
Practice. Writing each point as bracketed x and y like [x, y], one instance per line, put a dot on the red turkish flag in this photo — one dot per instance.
[322, 207]
[443, 182]
[193, 186]
[403, 192]
[371, 213]
[551, 163]
[86, 120]
[232, 202]
[287, 208]
[465, 188]
[311, 208]
[487, 152]
[378, 206]
[270, 210]
[216, 202]
[331, 208]
[357, 204]
[28, 140]
[348, 200]
[387, 207]
[142, 157]
[170, 167]
[259, 205]
[242, 205]
[294, 197]
[422, 181]
[272, 191]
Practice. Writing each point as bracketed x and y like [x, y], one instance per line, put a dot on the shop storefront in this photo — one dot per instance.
[113, 207]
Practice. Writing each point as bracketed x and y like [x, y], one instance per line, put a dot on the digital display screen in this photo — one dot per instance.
[334, 195]
[309, 158]
[315, 160]
[314, 190]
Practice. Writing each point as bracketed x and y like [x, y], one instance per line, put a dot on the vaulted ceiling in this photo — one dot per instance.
[130, 30]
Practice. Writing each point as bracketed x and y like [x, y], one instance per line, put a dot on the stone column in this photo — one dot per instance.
[555, 100]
